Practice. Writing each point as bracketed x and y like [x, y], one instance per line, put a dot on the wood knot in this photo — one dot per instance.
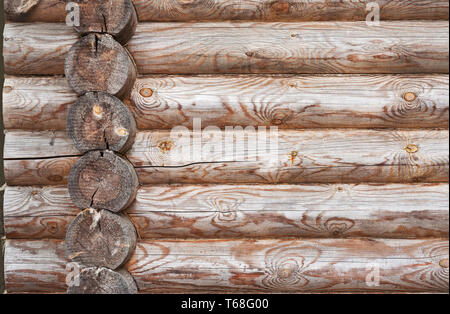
[121, 132]
[165, 146]
[146, 92]
[55, 178]
[411, 148]
[7, 89]
[285, 272]
[97, 110]
[277, 121]
[293, 155]
[409, 96]
[250, 53]
[444, 263]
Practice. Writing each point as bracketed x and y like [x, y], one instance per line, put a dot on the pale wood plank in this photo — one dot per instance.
[248, 211]
[319, 156]
[208, 266]
[336, 47]
[361, 101]
[264, 10]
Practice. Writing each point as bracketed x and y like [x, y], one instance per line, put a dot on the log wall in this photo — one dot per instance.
[285, 101]
[263, 10]
[248, 211]
[357, 183]
[249, 266]
[212, 48]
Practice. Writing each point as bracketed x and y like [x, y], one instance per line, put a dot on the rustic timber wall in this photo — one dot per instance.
[363, 170]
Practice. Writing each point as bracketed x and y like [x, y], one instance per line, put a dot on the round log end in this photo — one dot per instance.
[98, 63]
[100, 239]
[17, 9]
[103, 281]
[103, 180]
[99, 121]
[115, 17]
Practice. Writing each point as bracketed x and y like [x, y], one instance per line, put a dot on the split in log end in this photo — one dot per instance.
[98, 63]
[115, 17]
[100, 239]
[99, 121]
[103, 180]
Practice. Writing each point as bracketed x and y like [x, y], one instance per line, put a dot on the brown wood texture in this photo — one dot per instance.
[263, 10]
[103, 281]
[97, 62]
[211, 48]
[115, 17]
[208, 266]
[103, 180]
[310, 156]
[100, 239]
[248, 211]
[287, 101]
[17, 9]
[100, 121]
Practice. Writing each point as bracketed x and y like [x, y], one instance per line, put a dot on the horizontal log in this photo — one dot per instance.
[263, 10]
[316, 47]
[248, 211]
[208, 266]
[285, 156]
[162, 102]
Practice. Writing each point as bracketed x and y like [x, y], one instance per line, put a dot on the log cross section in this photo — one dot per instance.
[101, 71]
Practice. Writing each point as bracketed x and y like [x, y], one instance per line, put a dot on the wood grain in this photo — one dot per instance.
[319, 156]
[36, 102]
[39, 48]
[287, 101]
[104, 281]
[100, 239]
[115, 17]
[97, 62]
[263, 10]
[103, 180]
[212, 266]
[276, 48]
[248, 211]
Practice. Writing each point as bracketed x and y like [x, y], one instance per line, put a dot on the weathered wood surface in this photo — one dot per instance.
[36, 102]
[97, 62]
[264, 10]
[248, 211]
[42, 47]
[103, 281]
[319, 156]
[288, 101]
[208, 266]
[336, 47]
[103, 180]
[100, 239]
[115, 17]
[100, 121]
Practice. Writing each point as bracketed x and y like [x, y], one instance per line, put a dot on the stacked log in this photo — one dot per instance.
[356, 200]
[100, 70]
